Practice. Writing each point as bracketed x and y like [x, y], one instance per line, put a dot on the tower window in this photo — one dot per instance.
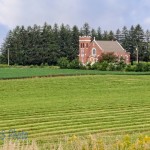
[81, 45]
[87, 45]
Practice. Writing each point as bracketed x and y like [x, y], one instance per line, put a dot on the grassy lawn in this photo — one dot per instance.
[47, 108]
[12, 72]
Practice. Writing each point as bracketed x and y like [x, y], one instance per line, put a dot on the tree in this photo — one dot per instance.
[105, 35]
[118, 35]
[99, 34]
[94, 34]
[147, 46]
[139, 37]
[124, 38]
[86, 29]
[111, 36]
[74, 43]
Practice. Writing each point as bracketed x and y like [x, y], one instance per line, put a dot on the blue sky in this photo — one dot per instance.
[108, 14]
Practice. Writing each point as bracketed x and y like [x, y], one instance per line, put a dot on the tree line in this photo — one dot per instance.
[36, 45]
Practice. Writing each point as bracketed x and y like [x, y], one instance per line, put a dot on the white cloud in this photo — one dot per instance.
[29, 12]
[109, 14]
[9, 12]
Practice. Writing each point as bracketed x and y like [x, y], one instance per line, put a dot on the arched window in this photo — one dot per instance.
[93, 52]
[83, 45]
[87, 45]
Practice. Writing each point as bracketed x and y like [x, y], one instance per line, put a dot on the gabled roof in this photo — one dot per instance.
[110, 46]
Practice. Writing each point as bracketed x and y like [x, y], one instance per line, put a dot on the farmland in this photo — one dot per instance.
[26, 72]
[48, 108]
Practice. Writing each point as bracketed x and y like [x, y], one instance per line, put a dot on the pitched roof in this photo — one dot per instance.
[110, 46]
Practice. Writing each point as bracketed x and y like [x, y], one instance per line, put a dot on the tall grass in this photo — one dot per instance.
[90, 142]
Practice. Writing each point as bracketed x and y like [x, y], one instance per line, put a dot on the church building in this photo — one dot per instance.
[91, 50]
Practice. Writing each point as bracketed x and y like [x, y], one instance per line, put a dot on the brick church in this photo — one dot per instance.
[90, 51]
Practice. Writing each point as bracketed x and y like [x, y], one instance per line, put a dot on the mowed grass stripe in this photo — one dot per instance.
[51, 126]
[58, 113]
[102, 112]
[90, 129]
[74, 116]
[101, 125]
[83, 114]
[80, 118]
[74, 125]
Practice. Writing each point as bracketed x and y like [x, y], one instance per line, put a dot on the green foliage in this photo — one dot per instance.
[109, 62]
[108, 57]
[40, 44]
[4, 66]
[146, 67]
[63, 63]
[74, 64]
[111, 67]
[130, 68]
[103, 66]
[141, 67]
[120, 65]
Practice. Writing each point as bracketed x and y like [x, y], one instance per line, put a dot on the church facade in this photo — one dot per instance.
[91, 50]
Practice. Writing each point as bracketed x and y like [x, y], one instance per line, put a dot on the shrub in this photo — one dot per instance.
[100, 66]
[63, 63]
[4, 66]
[74, 64]
[88, 66]
[111, 67]
[31, 66]
[81, 66]
[120, 66]
[146, 67]
[139, 67]
[42, 65]
[95, 66]
[108, 57]
[103, 66]
[130, 68]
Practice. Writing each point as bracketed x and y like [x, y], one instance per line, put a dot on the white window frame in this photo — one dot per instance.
[94, 52]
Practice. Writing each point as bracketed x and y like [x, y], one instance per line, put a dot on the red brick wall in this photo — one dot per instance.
[84, 43]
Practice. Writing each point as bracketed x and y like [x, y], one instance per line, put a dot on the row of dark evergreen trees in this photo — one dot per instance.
[47, 44]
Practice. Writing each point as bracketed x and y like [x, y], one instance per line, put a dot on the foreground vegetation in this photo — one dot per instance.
[49, 109]
[90, 142]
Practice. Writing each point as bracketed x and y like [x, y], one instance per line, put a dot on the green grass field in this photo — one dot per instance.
[26, 72]
[48, 108]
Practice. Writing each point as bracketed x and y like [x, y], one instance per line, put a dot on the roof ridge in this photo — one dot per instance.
[105, 40]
